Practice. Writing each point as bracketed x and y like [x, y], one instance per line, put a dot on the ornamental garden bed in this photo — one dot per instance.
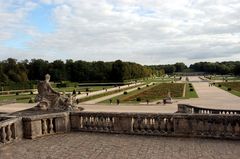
[156, 92]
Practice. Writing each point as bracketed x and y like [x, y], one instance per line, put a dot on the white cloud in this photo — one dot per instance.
[12, 14]
[153, 31]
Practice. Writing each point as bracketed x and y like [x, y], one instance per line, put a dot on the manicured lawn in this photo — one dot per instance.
[153, 93]
[190, 91]
[123, 96]
[105, 94]
[24, 98]
[218, 77]
[158, 81]
[235, 87]
[82, 88]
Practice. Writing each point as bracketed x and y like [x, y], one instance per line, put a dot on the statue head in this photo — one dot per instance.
[47, 77]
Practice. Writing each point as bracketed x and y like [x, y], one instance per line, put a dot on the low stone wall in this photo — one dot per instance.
[187, 125]
[177, 124]
[185, 108]
[10, 129]
[45, 124]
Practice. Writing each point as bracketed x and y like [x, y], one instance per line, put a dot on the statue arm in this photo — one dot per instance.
[52, 90]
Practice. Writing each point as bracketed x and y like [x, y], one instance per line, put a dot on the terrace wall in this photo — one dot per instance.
[186, 108]
[186, 125]
[10, 129]
[211, 124]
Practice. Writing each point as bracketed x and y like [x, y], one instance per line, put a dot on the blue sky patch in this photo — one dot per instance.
[41, 18]
[18, 41]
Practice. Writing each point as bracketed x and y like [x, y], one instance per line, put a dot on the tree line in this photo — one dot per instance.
[222, 68]
[12, 70]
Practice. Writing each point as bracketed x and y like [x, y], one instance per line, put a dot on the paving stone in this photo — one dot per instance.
[81, 145]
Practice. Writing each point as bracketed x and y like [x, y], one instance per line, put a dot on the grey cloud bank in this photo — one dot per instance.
[148, 32]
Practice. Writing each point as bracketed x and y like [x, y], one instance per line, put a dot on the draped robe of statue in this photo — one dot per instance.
[48, 98]
[51, 97]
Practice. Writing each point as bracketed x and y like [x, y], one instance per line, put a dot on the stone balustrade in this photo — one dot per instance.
[10, 129]
[185, 108]
[46, 124]
[187, 125]
[177, 124]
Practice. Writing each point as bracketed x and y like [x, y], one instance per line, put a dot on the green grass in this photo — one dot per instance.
[82, 88]
[218, 77]
[151, 93]
[123, 96]
[235, 86]
[158, 80]
[190, 94]
[24, 98]
[105, 94]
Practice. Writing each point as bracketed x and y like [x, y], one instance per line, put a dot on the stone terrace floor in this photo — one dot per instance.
[81, 145]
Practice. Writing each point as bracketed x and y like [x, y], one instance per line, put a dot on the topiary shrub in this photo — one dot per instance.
[74, 92]
[139, 88]
[31, 100]
[125, 93]
[17, 93]
[118, 101]
[147, 101]
[229, 89]
[191, 90]
[219, 85]
[79, 92]
[138, 99]
[31, 92]
[147, 85]
[78, 101]
[87, 89]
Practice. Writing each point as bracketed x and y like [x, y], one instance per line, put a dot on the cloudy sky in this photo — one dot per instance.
[144, 31]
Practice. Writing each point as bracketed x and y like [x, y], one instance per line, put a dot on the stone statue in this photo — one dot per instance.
[48, 98]
[168, 99]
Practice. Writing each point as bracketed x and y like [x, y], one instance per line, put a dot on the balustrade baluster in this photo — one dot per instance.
[44, 126]
[169, 125]
[9, 133]
[90, 123]
[156, 126]
[237, 129]
[152, 124]
[100, 122]
[104, 123]
[51, 126]
[81, 122]
[229, 129]
[96, 123]
[146, 124]
[84, 122]
[4, 135]
[142, 124]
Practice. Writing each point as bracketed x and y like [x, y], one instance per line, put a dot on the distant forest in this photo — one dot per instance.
[76, 71]
[12, 70]
[221, 68]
